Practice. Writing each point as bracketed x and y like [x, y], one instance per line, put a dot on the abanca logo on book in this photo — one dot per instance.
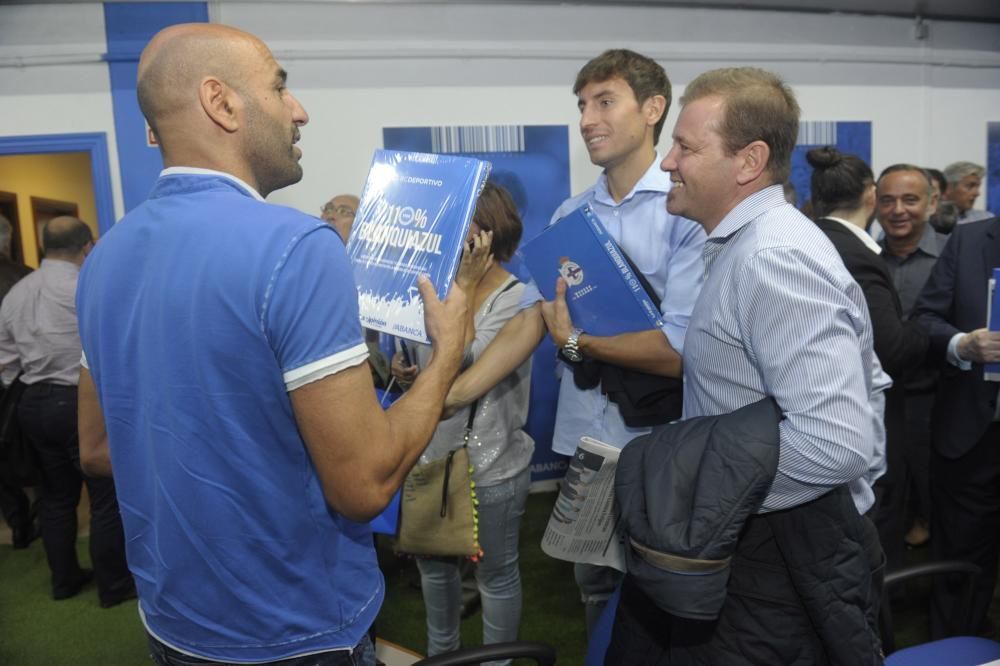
[570, 271]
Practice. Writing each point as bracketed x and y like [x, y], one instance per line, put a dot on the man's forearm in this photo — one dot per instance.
[95, 455]
[646, 351]
[414, 417]
[508, 351]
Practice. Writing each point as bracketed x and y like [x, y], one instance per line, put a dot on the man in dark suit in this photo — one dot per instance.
[965, 433]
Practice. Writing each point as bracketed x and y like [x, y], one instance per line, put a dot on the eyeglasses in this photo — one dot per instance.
[342, 209]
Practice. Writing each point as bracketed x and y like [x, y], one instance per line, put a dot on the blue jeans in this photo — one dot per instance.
[501, 507]
[363, 654]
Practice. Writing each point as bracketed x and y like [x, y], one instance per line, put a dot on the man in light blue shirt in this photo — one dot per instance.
[778, 316]
[623, 99]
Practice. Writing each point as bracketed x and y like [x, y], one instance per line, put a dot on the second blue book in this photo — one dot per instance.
[603, 294]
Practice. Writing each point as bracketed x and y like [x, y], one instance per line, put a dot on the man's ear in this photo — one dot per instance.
[755, 157]
[220, 103]
[932, 204]
[654, 107]
[869, 200]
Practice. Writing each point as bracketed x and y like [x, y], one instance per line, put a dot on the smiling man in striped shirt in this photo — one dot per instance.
[779, 316]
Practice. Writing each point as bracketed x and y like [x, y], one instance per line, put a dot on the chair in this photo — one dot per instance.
[958, 651]
[543, 654]
[600, 634]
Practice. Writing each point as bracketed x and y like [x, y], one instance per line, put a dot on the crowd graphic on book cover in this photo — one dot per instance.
[682, 303]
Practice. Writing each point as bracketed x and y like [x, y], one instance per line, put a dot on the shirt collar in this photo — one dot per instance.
[198, 171]
[745, 212]
[929, 243]
[748, 210]
[654, 180]
[860, 233]
[61, 265]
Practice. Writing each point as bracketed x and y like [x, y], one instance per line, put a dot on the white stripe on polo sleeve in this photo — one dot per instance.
[325, 367]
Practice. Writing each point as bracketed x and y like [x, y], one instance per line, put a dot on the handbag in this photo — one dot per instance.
[438, 505]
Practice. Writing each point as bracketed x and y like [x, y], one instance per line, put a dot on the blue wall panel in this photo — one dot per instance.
[129, 27]
[853, 137]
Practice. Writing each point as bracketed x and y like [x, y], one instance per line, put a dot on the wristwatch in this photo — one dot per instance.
[571, 350]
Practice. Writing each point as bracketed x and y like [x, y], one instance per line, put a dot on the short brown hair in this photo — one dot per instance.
[496, 212]
[643, 75]
[758, 106]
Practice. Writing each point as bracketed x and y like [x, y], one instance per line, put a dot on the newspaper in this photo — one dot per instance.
[585, 525]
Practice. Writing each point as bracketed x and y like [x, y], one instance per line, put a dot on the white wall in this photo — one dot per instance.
[52, 78]
[360, 67]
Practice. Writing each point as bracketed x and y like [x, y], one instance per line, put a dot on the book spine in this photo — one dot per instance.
[478, 177]
[991, 371]
[628, 275]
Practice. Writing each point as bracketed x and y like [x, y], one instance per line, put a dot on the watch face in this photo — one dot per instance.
[571, 352]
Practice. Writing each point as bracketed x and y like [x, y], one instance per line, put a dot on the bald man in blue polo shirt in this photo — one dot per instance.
[225, 380]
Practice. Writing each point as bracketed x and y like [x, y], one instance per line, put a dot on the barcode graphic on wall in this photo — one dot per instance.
[489, 139]
[818, 133]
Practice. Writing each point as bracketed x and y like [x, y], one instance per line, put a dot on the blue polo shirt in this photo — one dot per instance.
[199, 311]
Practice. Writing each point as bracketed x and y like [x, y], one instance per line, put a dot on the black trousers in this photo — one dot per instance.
[14, 503]
[47, 413]
[803, 590]
[917, 453]
[965, 523]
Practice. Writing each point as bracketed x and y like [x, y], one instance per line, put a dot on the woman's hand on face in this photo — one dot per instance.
[476, 261]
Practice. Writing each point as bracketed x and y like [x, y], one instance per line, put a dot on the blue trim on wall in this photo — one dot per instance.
[95, 143]
[129, 26]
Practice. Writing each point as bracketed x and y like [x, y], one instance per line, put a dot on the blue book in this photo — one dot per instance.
[604, 295]
[413, 218]
[992, 370]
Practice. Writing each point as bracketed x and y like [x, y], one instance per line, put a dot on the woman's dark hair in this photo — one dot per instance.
[839, 180]
[496, 212]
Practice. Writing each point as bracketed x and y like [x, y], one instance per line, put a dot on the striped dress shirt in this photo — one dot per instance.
[780, 316]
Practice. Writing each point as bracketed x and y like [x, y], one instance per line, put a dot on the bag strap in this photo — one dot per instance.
[647, 287]
[468, 424]
[444, 486]
[451, 455]
[510, 285]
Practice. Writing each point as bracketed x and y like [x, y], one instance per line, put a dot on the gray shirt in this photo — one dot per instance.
[38, 325]
[499, 449]
[909, 273]
[973, 215]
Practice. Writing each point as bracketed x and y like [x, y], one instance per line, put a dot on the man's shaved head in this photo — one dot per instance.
[216, 99]
[179, 57]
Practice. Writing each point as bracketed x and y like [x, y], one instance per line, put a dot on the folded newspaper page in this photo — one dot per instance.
[585, 525]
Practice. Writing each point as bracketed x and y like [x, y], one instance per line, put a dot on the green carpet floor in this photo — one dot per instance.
[36, 631]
